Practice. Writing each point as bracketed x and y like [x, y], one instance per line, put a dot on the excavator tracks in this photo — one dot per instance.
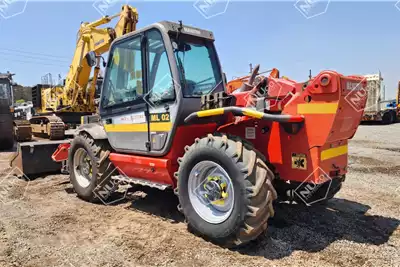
[22, 130]
[51, 127]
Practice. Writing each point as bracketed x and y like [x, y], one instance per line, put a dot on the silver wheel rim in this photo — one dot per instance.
[211, 192]
[82, 167]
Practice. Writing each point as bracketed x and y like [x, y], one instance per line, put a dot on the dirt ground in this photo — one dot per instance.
[43, 223]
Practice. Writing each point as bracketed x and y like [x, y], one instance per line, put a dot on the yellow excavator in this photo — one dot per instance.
[58, 106]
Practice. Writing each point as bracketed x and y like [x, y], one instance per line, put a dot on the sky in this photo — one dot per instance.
[350, 37]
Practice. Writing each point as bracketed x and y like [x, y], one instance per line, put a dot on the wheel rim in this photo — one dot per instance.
[82, 167]
[211, 192]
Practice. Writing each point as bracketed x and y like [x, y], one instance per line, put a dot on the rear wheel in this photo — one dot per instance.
[394, 116]
[90, 168]
[387, 118]
[225, 190]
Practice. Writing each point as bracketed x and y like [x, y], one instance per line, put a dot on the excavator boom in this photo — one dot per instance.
[77, 97]
[93, 39]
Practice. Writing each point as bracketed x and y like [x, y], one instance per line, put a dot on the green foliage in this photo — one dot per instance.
[20, 101]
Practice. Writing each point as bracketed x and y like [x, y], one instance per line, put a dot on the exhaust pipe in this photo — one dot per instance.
[247, 86]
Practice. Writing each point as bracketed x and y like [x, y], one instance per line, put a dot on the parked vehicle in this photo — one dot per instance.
[378, 109]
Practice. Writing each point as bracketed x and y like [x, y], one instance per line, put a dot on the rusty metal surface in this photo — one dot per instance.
[22, 130]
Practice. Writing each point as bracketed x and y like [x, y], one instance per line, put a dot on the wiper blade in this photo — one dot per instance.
[215, 87]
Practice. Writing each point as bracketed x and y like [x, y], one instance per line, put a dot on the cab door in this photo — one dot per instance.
[122, 107]
[161, 96]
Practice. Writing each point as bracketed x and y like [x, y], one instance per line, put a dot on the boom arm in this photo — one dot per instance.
[91, 38]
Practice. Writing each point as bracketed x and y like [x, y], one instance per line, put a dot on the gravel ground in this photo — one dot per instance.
[43, 223]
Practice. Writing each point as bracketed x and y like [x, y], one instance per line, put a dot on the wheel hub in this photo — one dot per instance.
[86, 166]
[215, 190]
[82, 167]
[211, 191]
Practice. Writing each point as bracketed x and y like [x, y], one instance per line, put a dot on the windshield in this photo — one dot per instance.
[198, 67]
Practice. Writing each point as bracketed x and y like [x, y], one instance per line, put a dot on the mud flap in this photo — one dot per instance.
[34, 158]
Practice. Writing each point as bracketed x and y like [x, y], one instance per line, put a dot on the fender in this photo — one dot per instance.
[95, 130]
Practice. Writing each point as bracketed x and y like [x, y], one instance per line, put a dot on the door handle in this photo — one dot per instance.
[108, 121]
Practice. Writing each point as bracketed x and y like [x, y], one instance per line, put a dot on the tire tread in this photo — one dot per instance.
[258, 180]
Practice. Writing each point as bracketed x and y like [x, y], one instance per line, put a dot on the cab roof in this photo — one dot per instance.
[174, 27]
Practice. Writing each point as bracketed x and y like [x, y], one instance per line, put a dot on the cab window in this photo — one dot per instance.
[124, 80]
[161, 86]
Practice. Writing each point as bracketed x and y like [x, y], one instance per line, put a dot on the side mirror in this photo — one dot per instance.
[13, 84]
[91, 59]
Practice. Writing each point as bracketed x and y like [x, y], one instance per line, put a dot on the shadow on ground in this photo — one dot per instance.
[294, 227]
[155, 202]
[145, 199]
[376, 123]
[312, 229]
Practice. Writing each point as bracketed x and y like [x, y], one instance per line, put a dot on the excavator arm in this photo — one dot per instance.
[92, 39]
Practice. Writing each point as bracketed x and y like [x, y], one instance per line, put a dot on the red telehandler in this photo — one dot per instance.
[168, 123]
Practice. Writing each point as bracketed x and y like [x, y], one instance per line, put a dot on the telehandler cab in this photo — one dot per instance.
[169, 123]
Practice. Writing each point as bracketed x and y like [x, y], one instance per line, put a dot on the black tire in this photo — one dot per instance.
[252, 185]
[102, 168]
[394, 116]
[387, 118]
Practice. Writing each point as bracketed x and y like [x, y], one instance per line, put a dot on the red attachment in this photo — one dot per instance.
[61, 153]
[330, 119]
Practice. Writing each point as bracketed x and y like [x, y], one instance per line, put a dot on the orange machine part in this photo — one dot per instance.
[329, 121]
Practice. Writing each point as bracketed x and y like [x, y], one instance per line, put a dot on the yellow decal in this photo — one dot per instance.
[317, 108]
[333, 152]
[139, 127]
[211, 112]
[253, 113]
[299, 161]
[159, 117]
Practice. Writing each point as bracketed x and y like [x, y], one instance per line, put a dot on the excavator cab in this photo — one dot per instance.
[170, 67]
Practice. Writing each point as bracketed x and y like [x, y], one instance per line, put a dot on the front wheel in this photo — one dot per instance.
[90, 168]
[225, 190]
